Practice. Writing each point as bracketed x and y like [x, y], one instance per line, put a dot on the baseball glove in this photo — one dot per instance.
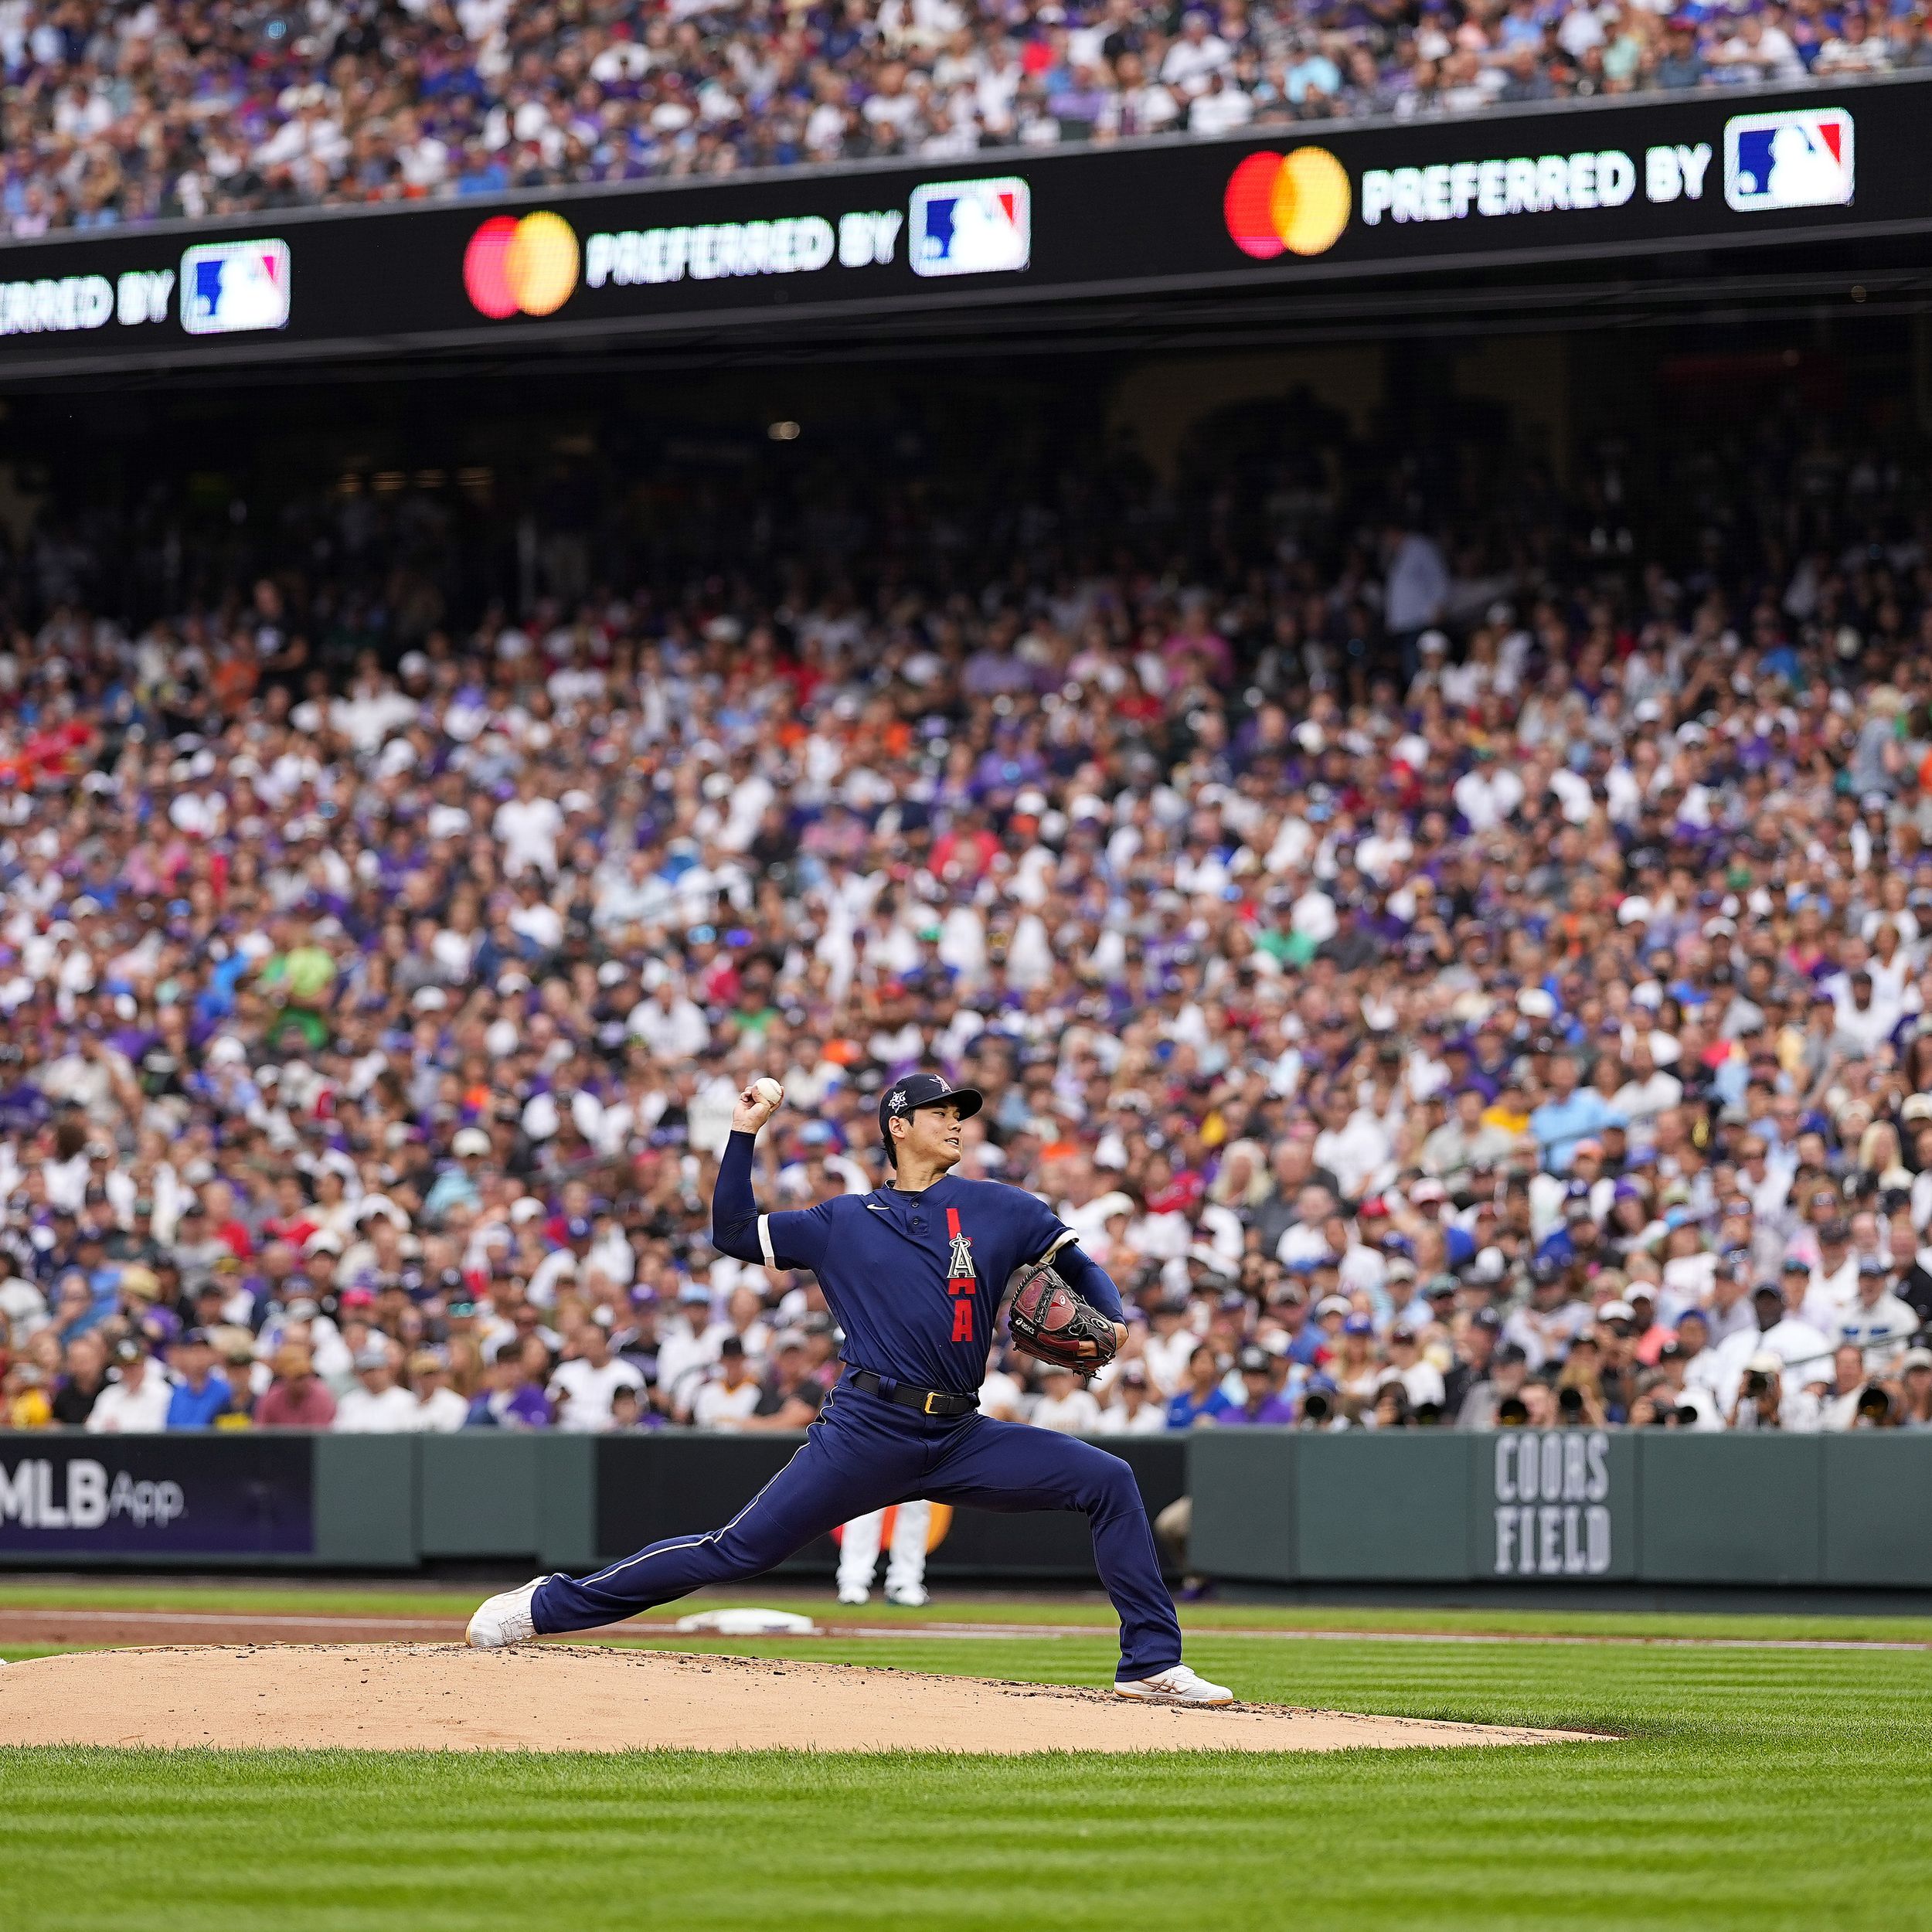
[1049, 1320]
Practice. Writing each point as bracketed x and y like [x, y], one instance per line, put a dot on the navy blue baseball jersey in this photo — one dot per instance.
[915, 1280]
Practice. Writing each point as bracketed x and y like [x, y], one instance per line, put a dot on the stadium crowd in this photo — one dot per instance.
[1446, 977]
[157, 108]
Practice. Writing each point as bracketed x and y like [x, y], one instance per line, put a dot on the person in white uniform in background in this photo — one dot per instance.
[905, 1562]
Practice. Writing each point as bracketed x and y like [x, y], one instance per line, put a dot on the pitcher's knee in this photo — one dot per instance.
[1109, 1483]
[741, 1552]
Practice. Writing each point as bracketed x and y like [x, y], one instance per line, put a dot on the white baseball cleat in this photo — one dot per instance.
[504, 1619]
[1180, 1685]
[858, 1599]
[912, 1597]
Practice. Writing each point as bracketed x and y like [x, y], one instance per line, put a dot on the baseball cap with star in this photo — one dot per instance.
[912, 1091]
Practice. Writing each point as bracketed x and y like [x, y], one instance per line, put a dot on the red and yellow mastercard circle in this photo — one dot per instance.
[1299, 202]
[521, 267]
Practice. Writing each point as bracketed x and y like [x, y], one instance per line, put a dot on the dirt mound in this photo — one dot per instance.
[554, 1698]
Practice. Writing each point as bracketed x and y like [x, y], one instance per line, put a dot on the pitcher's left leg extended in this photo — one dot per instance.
[839, 1473]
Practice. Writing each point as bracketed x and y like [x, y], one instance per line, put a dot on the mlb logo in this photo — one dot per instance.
[228, 286]
[1800, 159]
[972, 227]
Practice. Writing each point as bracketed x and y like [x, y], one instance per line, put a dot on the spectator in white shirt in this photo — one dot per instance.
[732, 1394]
[1762, 50]
[1353, 1145]
[135, 1402]
[686, 1347]
[1766, 1184]
[1876, 1322]
[1171, 1346]
[1861, 1019]
[673, 1026]
[1065, 1408]
[1854, 50]
[1832, 1280]
[527, 827]
[1838, 1405]
[1199, 53]
[1486, 795]
[1421, 1379]
[1418, 584]
[1132, 1408]
[582, 1386]
[1136, 105]
[440, 1410]
[376, 1406]
[1793, 1341]
[1648, 1091]
[1219, 108]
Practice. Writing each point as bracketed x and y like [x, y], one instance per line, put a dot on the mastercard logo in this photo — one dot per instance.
[1299, 202]
[524, 268]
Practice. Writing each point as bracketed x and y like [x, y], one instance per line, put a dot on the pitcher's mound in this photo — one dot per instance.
[392, 1697]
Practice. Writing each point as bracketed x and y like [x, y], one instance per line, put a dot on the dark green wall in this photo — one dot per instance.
[1562, 1506]
[1423, 1507]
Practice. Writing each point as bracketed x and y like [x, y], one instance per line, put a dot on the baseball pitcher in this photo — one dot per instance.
[915, 1272]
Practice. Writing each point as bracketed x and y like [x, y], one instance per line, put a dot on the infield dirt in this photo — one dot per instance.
[435, 1696]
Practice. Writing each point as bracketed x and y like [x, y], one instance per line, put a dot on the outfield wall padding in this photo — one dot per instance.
[293, 1501]
[1426, 1508]
[1562, 1506]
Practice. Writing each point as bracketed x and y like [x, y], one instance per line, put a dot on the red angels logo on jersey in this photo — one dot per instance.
[962, 1279]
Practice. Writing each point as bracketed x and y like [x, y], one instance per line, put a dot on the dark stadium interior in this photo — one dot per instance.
[373, 486]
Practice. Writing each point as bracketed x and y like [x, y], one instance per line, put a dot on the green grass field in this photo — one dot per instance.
[1753, 1787]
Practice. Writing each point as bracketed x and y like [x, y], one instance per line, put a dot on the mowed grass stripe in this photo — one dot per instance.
[297, 1598]
[1759, 1790]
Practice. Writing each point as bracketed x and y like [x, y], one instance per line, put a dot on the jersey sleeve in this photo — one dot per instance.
[798, 1238]
[1085, 1277]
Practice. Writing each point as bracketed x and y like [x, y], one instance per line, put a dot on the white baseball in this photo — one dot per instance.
[768, 1090]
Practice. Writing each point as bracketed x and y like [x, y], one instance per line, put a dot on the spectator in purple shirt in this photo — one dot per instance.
[513, 1395]
[1262, 1404]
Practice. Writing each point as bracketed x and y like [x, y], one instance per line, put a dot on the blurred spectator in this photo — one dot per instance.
[297, 1399]
[1915, 1403]
[1132, 1409]
[1201, 1398]
[86, 1376]
[1065, 1404]
[199, 1394]
[113, 124]
[581, 1387]
[1764, 1400]
[440, 1410]
[375, 1402]
[1261, 1404]
[136, 1397]
[23, 1397]
[731, 1395]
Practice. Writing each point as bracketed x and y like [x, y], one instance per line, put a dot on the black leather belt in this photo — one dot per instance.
[928, 1402]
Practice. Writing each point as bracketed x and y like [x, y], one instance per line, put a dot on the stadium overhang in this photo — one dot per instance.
[1518, 216]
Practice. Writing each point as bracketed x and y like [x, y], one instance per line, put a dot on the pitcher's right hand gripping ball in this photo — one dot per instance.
[757, 1104]
[1049, 1320]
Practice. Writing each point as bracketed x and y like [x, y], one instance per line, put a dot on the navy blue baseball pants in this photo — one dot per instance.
[864, 1453]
